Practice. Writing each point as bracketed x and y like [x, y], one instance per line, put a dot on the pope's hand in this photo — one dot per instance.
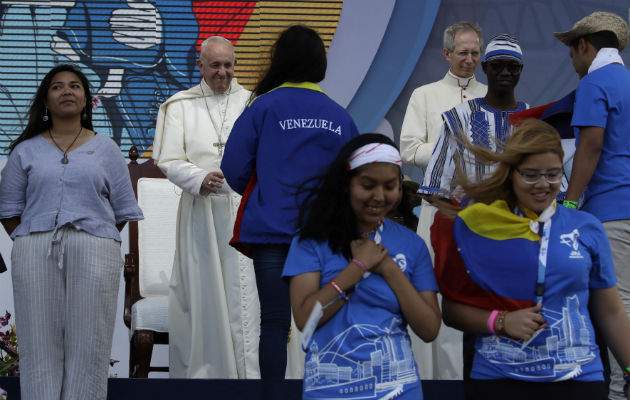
[212, 183]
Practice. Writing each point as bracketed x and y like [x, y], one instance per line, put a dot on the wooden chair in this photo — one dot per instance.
[148, 264]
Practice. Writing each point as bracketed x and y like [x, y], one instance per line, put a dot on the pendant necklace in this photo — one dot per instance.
[64, 160]
[220, 144]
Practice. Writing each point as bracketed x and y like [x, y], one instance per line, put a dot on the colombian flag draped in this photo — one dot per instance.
[488, 256]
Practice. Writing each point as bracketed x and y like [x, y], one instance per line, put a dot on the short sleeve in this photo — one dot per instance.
[591, 106]
[303, 257]
[121, 196]
[422, 275]
[13, 187]
[440, 171]
[602, 274]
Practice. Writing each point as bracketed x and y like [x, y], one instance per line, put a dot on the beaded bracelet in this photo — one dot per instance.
[360, 264]
[570, 204]
[500, 323]
[338, 289]
[491, 321]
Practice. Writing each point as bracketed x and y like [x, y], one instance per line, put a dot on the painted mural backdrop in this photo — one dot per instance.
[136, 53]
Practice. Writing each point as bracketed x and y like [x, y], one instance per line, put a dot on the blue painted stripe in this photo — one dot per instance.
[409, 28]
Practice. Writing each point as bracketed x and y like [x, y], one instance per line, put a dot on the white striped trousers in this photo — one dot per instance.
[65, 288]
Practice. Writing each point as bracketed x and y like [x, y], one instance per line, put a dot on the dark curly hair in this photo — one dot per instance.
[326, 215]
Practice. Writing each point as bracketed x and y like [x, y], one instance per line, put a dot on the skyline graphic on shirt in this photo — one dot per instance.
[337, 371]
[567, 346]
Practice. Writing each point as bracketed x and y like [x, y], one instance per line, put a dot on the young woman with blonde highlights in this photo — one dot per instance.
[531, 278]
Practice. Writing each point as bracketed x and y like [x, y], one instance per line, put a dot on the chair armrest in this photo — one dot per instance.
[132, 288]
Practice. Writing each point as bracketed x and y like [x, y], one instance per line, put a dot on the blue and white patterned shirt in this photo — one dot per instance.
[483, 125]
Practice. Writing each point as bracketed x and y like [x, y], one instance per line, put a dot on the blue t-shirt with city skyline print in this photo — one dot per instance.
[364, 350]
[579, 259]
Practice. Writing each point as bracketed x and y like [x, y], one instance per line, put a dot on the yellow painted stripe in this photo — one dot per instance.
[268, 19]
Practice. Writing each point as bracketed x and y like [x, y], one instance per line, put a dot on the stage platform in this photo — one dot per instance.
[218, 389]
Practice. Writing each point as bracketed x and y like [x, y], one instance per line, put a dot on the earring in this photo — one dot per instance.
[84, 115]
[45, 117]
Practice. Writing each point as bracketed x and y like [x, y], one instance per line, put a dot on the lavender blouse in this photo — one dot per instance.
[92, 192]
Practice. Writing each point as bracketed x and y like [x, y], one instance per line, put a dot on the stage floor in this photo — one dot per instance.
[211, 389]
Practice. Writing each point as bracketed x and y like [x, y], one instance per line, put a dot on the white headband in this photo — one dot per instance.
[374, 153]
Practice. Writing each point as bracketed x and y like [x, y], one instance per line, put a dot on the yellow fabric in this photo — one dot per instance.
[300, 85]
[496, 221]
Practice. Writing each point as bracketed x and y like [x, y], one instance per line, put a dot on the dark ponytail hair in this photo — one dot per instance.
[299, 55]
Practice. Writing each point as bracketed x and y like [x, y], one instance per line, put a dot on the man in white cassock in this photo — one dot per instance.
[213, 303]
[463, 42]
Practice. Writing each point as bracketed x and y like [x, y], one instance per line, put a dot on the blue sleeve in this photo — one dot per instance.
[591, 106]
[602, 274]
[121, 196]
[239, 160]
[422, 275]
[302, 258]
[13, 187]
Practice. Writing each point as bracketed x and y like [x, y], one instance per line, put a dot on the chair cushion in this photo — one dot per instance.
[151, 314]
[158, 199]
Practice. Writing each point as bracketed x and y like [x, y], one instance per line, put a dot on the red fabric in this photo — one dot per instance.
[450, 272]
[235, 241]
[535, 112]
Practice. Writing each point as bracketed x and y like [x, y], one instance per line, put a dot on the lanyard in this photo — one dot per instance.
[543, 225]
[542, 260]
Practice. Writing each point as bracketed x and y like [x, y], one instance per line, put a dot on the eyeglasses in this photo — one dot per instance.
[466, 53]
[532, 176]
[499, 66]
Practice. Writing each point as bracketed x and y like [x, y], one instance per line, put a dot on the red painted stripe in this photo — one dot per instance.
[224, 18]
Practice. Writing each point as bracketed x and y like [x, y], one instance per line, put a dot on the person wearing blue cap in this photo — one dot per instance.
[484, 120]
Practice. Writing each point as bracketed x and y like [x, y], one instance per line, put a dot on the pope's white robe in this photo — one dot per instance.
[214, 312]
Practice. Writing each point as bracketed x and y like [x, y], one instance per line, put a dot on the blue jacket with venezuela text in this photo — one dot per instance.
[283, 139]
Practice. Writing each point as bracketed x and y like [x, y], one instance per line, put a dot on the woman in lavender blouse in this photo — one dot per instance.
[65, 194]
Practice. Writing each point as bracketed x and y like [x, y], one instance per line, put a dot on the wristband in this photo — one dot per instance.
[491, 320]
[360, 264]
[338, 289]
[500, 323]
[570, 204]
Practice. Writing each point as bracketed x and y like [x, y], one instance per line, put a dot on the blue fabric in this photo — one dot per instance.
[275, 316]
[602, 99]
[364, 348]
[283, 139]
[92, 192]
[579, 259]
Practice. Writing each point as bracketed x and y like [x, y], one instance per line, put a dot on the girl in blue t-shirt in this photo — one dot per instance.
[371, 275]
[530, 278]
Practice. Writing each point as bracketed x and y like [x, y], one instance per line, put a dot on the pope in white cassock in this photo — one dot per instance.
[213, 303]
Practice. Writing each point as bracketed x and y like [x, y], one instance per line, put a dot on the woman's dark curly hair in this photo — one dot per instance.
[326, 215]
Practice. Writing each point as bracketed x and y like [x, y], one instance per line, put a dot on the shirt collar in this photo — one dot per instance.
[461, 82]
